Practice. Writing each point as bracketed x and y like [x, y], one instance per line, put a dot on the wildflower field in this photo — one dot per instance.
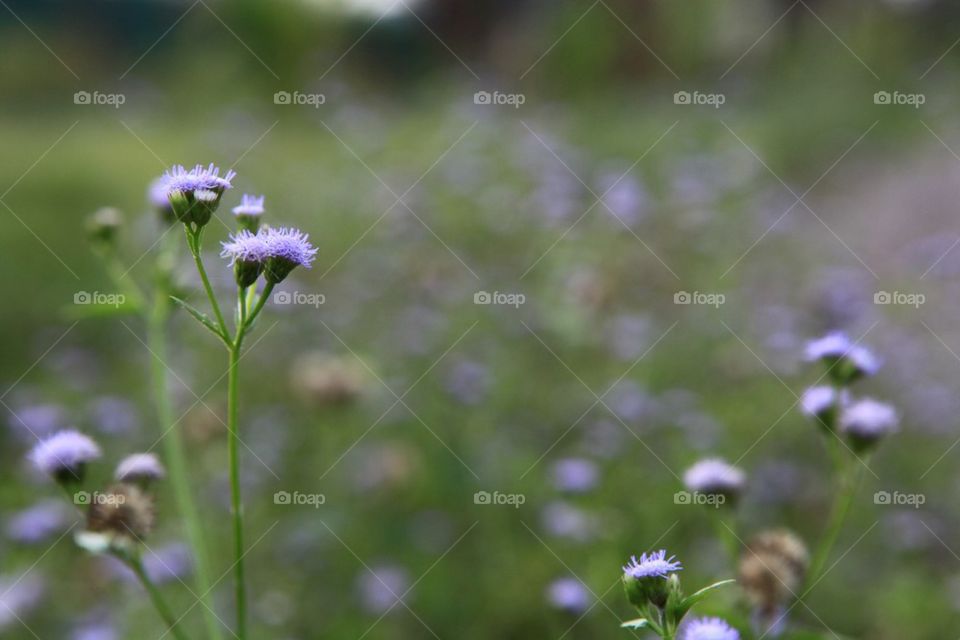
[561, 320]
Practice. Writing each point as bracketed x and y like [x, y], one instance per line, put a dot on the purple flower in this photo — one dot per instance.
[140, 467]
[382, 588]
[575, 475]
[245, 246]
[833, 345]
[249, 206]
[714, 476]
[817, 401]
[866, 421]
[568, 594]
[195, 194]
[196, 179]
[708, 629]
[39, 522]
[847, 361]
[64, 455]
[654, 565]
[286, 249]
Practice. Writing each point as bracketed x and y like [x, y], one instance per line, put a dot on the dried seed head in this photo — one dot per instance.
[123, 511]
[772, 568]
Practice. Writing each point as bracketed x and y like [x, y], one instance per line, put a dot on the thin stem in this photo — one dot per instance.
[235, 498]
[193, 240]
[850, 482]
[728, 536]
[264, 296]
[172, 440]
[156, 597]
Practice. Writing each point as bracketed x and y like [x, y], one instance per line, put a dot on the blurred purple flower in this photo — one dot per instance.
[382, 587]
[568, 594]
[563, 520]
[39, 522]
[468, 382]
[575, 475]
[64, 454]
[708, 629]
[113, 415]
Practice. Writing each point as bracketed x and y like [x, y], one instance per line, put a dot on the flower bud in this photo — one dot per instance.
[103, 225]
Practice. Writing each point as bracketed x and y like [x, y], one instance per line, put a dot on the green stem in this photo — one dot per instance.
[264, 296]
[156, 598]
[235, 498]
[850, 482]
[728, 536]
[172, 440]
[193, 240]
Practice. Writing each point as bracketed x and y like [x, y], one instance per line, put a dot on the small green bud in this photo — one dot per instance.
[246, 272]
[103, 225]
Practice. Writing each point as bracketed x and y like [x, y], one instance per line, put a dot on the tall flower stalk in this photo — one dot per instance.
[155, 310]
[254, 252]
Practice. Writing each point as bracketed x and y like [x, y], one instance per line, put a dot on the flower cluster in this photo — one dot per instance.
[120, 516]
[194, 194]
[653, 587]
[862, 422]
[274, 252]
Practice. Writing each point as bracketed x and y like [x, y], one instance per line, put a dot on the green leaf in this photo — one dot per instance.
[199, 316]
[697, 596]
[636, 623]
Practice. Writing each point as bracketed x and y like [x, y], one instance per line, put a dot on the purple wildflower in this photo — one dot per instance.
[847, 361]
[287, 249]
[140, 467]
[714, 476]
[568, 594]
[195, 194]
[39, 522]
[653, 565]
[64, 455]
[245, 246]
[248, 212]
[867, 421]
[575, 475]
[835, 344]
[249, 206]
[180, 179]
[817, 401]
[708, 629]
[382, 588]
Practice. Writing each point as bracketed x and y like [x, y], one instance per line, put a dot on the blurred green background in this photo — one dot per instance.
[599, 198]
